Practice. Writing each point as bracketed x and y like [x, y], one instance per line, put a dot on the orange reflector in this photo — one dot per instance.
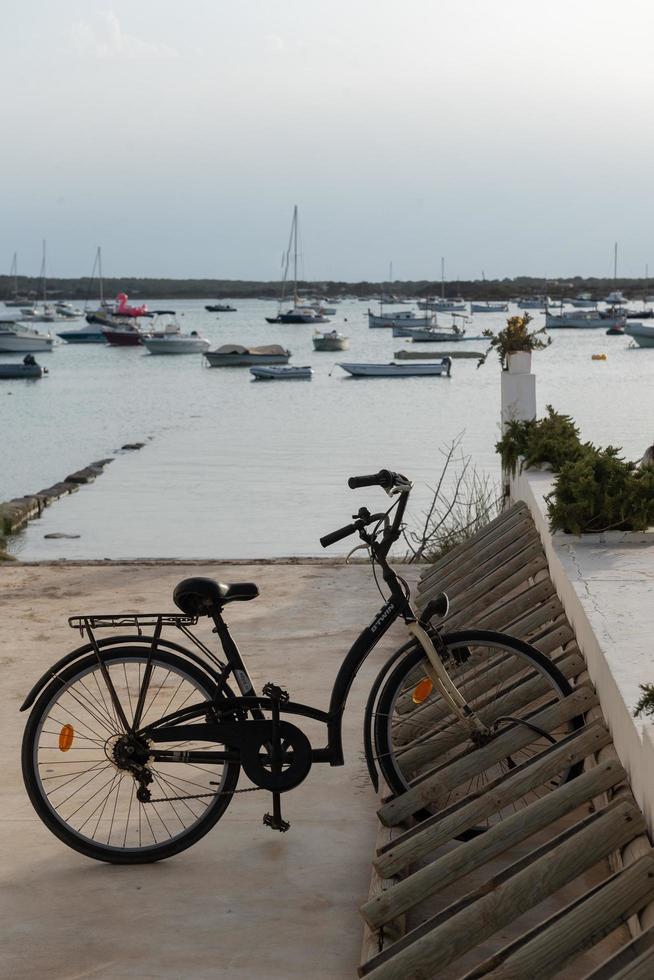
[66, 736]
[422, 691]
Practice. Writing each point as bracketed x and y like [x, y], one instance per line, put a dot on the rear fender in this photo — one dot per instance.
[114, 641]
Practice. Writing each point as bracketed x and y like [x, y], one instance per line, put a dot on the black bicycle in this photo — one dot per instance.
[135, 743]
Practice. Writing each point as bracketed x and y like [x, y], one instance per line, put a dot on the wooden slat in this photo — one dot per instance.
[441, 828]
[467, 857]
[490, 532]
[431, 788]
[495, 909]
[374, 939]
[543, 951]
[636, 954]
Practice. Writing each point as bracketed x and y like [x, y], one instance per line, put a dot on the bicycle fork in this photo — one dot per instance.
[443, 683]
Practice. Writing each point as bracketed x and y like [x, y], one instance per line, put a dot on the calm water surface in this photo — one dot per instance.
[239, 469]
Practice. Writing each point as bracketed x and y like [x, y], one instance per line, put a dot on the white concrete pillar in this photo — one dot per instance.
[518, 393]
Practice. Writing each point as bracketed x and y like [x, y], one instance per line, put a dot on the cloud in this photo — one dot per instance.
[103, 39]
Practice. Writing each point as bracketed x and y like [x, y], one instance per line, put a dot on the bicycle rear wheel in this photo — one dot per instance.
[505, 681]
[73, 753]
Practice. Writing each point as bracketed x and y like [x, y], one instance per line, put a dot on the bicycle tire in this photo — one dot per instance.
[411, 739]
[78, 698]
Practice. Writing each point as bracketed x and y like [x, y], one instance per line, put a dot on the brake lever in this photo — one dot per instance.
[359, 547]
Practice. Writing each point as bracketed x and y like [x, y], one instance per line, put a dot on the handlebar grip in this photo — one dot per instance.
[334, 536]
[382, 479]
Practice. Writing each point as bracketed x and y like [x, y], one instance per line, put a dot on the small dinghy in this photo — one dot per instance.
[415, 369]
[332, 340]
[235, 355]
[282, 373]
[220, 308]
[27, 368]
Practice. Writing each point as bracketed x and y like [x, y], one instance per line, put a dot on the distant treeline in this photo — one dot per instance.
[501, 289]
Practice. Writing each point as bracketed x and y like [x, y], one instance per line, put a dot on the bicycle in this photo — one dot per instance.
[134, 745]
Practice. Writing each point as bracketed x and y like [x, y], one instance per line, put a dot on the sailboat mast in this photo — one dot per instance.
[14, 271]
[442, 278]
[615, 264]
[295, 299]
[43, 274]
[99, 258]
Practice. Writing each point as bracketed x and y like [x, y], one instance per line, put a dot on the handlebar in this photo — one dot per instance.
[385, 478]
[342, 532]
[390, 481]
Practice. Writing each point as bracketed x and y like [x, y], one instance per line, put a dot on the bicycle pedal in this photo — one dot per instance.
[275, 824]
[275, 693]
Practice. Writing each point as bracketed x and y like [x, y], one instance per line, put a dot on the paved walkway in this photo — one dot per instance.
[244, 902]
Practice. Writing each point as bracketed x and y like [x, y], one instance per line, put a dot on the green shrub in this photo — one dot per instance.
[600, 491]
[553, 439]
[513, 339]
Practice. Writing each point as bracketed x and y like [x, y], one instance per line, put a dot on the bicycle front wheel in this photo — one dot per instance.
[504, 680]
[75, 751]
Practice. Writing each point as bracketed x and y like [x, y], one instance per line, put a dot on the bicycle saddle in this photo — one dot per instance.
[204, 596]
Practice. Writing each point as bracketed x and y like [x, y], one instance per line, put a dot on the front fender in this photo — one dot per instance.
[110, 641]
[368, 718]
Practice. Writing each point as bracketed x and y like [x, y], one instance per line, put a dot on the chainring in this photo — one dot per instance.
[295, 752]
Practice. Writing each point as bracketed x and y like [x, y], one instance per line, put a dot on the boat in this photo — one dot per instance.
[299, 312]
[235, 355]
[429, 334]
[282, 373]
[577, 319]
[331, 341]
[66, 311]
[583, 301]
[90, 333]
[443, 305]
[220, 308]
[642, 333]
[19, 338]
[401, 318]
[534, 303]
[617, 330]
[105, 307]
[489, 307]
[27, 368]
[17, 299]
[393, 370]
[122, 332]
[169, 339]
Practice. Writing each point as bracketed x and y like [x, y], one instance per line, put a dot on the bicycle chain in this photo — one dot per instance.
[202, 796]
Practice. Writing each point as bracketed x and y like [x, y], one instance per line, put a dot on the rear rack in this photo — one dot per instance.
[138, 620]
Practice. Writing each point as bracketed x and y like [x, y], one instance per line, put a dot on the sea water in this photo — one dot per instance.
[236, 468]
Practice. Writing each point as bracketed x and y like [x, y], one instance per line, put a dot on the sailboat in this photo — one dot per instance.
[47, 314]
[298, 313]
[445, 304]
[17, 300]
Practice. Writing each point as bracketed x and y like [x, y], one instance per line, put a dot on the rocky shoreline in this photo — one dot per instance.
[15, 513]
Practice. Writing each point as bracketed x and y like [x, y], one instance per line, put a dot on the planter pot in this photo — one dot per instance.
[519, 362]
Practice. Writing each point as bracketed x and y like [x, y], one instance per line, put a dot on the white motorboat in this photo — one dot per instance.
[577, 319]
[430, 334]
[489, 307]
[409, 369]
[282, 373]
[169, 339]
[642, 333]
[583, 301]
[235, 355]
[19, 338]
[401, 318]
[66, 311]
[331, 341]
[616, 298]
[35, 314]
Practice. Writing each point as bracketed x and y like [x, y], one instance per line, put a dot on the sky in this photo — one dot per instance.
[510, 137]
